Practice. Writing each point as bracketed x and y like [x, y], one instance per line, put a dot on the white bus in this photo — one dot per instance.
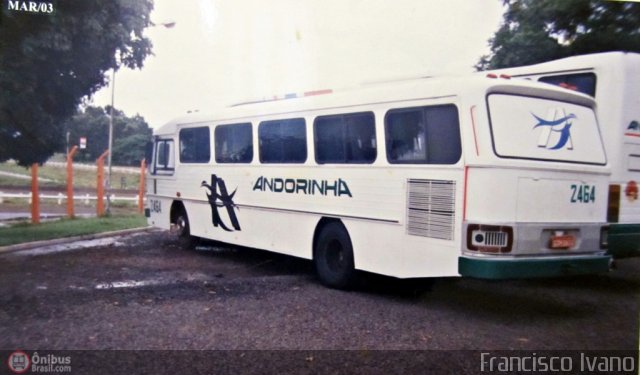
[428, 178]
[613, 78]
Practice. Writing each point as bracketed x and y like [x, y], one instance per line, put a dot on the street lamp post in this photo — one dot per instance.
[166, 25]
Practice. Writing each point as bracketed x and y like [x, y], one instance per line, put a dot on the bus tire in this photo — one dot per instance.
[333, 256]
[183, 230]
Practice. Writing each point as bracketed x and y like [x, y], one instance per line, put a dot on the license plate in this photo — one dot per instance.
[562, 242]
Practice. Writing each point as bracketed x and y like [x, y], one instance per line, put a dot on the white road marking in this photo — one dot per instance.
[131, 284]
[70, 246]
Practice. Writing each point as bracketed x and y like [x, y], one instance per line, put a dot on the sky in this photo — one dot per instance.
[222, 52]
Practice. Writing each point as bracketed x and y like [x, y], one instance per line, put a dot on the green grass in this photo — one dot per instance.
[24, 232]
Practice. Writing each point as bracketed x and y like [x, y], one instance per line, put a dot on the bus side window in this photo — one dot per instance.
[195, 146]
[424, 135]
[345, 139]
[234, 143]
[283, 141]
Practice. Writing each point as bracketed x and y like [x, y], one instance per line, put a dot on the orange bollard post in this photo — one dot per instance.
[72, 152]
[100, 184]
[143, 169]
[35, 195]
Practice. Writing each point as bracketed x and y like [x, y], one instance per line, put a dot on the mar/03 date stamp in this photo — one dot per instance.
[31, 7]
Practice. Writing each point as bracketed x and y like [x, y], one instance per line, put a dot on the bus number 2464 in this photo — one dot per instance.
[583, 194]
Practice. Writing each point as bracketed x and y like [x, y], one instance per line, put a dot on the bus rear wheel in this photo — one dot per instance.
[333, 256]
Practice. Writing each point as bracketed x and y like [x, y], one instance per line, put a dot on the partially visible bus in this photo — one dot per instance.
[613, 78]
[428, 178]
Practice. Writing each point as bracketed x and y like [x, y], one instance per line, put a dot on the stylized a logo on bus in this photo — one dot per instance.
[223, 199]
[556, 132]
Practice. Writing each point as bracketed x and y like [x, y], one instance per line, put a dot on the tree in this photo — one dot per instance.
[50, 62]
[535, 31]
[130, 135]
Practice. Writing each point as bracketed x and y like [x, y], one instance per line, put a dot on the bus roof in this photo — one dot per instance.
[579, 62]
[387, 92]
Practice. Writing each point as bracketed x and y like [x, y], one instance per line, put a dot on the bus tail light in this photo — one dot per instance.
[613, 208]
[489, 238]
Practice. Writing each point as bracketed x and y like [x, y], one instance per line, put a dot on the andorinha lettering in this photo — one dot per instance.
[336, 188]
[30, 6]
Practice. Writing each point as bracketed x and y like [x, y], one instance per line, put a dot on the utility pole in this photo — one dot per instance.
[113, 94]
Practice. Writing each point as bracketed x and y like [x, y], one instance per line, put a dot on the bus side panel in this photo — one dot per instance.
[416, 245]
[266, 226]
[278, 208]
[623, 119]
[281, 232]
[273, 212]
[628, 171]
[387, 249]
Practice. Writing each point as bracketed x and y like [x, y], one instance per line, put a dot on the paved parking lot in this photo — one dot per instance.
[145, 291]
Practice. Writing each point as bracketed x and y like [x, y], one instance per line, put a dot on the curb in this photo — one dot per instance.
[59, 241]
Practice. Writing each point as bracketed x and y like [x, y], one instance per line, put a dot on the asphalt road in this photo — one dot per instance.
[146, 291]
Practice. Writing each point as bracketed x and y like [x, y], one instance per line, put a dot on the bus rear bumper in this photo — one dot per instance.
[624, 240]
[530, 267]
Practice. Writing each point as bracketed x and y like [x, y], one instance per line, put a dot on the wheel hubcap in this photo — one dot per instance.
[181, 224]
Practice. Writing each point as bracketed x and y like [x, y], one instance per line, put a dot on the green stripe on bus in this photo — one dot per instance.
[624, 240]
[527, 268]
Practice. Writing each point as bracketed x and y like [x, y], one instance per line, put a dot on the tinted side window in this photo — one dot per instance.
[424, 135]
[195, 145]
[582, 82]
[345, 139]
[283, 141]
[234, 143]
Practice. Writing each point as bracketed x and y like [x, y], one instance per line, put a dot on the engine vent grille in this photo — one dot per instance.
[431, 208]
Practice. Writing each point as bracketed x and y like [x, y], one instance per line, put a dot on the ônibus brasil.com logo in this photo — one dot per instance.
[20, 362]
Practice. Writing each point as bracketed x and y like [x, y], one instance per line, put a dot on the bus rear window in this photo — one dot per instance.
[581, 82]
[534, 128]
